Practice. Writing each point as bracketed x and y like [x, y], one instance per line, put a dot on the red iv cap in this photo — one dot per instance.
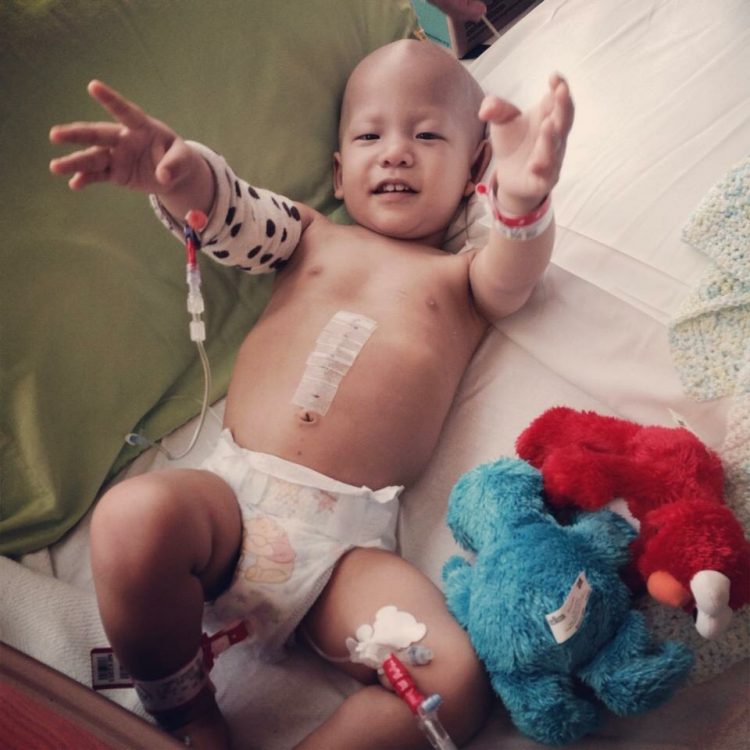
[196, 220]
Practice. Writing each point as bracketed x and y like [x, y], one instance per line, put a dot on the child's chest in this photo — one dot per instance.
[352, 264]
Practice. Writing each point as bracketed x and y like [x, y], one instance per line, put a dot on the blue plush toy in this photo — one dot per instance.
[534, 583]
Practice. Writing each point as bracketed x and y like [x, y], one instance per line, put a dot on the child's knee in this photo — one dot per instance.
[130, 524]
[462, 683]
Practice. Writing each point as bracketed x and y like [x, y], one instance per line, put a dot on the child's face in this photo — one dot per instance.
[408, 140]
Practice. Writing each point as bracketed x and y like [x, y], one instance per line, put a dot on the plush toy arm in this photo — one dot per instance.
[492, 498]
[561, 427]
[607, 533]
[582, 478]
[457, 575]
[546, 707]
[633, 673]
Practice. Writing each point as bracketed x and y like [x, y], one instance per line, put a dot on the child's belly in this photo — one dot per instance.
[385, 417]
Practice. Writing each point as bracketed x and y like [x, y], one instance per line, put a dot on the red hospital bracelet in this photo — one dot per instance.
[526, 227]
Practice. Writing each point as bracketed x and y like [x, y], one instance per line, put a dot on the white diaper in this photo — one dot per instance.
[297, 523]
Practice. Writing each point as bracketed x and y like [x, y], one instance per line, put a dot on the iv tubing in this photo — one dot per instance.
[424, 709]
[204, 408]
[195, 222]
[486, 21]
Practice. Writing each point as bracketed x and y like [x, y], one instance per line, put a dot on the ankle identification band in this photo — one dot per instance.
[108, 674]
[336, 348]
[175, 689]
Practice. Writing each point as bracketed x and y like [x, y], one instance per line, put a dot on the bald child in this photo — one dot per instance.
[338, 395]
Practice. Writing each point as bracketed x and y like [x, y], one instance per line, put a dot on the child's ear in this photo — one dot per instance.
[338, 189]
[479, 163]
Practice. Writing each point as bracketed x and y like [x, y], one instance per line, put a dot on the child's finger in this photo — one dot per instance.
[497, 111]
[123, 110]
[554, 80]
[564, 109]
[90, 133]
[544, 156]
[94, 159]
[80, 179]
[172, 165]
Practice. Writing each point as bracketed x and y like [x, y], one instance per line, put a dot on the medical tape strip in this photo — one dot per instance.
[336, 349]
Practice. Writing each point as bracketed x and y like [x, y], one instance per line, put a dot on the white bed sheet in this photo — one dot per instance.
[662, 99]
[663, 111]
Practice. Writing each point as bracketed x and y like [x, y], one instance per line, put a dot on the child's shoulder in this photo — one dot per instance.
[309, 215]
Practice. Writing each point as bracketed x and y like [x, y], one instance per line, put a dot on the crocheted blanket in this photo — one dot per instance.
[710, 336]
[710, 341]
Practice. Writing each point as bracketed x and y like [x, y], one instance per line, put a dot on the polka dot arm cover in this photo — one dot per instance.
[249, 228]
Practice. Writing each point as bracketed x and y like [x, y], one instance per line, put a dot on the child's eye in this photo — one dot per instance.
[367, 137]
[427, 136]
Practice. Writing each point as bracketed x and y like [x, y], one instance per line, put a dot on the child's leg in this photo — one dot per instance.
[161, 544]
[364, 581]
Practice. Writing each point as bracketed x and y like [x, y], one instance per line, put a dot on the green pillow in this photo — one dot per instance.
[93, 326]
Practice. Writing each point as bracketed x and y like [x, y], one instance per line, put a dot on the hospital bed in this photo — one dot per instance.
[94, 338]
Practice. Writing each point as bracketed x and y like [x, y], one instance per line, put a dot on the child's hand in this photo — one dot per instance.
[528, 146]
[137, 151]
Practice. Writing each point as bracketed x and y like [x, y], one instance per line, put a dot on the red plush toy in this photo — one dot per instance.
[691, 550]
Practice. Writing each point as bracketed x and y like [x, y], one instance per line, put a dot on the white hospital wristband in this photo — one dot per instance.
[526, 227]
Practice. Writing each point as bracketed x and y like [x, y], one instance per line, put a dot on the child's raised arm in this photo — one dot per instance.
[528, 148]
[137, 151]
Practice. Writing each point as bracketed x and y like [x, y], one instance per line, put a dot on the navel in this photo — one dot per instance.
[307, 417]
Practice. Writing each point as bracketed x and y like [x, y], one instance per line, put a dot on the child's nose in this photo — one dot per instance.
[397, 153]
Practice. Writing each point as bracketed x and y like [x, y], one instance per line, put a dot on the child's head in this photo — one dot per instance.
[411, 144]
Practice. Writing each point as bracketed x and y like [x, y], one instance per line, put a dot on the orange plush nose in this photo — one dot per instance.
[666, 589]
